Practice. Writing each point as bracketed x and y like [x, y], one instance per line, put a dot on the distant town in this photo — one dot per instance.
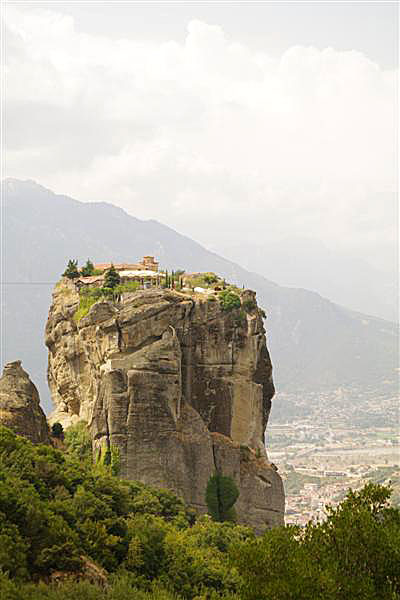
[339, 444]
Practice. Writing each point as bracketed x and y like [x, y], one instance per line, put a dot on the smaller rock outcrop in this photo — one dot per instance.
[20, 405]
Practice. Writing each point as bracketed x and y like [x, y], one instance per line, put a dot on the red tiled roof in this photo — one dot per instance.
[91, 278]
[119, 266]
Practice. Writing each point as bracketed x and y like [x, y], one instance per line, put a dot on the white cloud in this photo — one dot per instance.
[207, 136]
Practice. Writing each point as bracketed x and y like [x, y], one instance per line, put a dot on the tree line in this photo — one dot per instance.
[60, 512]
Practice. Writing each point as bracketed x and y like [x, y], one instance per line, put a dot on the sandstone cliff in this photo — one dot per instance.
[179, 385]
[19, 405]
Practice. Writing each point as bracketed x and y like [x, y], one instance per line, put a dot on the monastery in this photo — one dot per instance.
[145, 271]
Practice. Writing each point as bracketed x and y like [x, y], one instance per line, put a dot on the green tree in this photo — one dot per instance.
[276, 566]
[359, 545]
[57, 431]
[221, 495]
[58, 512]
[88, 268]
[111, 278]
[13, 550]
[71, 271]
[353, 554]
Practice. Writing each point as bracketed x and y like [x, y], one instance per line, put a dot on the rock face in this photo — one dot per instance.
[180, 386]
[19, 405]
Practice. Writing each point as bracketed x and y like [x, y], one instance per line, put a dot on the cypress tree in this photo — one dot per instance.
[221, 495]
[88, 269]
[111, 278]
[72, 270]
[57, 431]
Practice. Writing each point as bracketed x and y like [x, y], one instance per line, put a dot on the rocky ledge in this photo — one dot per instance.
[19, 405]
[179, 385]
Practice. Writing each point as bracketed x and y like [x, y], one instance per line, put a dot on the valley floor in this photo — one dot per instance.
[345, 438]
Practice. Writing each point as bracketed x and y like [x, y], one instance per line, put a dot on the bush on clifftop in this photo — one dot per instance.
[229, 300]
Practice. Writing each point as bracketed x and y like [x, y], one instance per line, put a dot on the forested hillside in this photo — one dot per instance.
[69, 529]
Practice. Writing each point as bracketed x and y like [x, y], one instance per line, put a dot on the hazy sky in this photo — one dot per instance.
[247, 120]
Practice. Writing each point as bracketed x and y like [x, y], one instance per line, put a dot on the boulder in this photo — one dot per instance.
[20, 405]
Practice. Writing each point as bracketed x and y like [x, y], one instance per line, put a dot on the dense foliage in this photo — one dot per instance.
[58, 511]
[229, 300]
[204, 280]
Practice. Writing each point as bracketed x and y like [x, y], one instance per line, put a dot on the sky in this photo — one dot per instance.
[230, 122]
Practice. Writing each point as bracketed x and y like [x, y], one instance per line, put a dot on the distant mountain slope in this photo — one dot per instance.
[314, 343]
[309, 263]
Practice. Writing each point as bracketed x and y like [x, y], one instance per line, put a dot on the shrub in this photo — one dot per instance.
[107, 292]
[210, 278]
[93, 292]
[229, 300]
[130, 286]
[79, 442]
[202, 280]
[86, 301]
